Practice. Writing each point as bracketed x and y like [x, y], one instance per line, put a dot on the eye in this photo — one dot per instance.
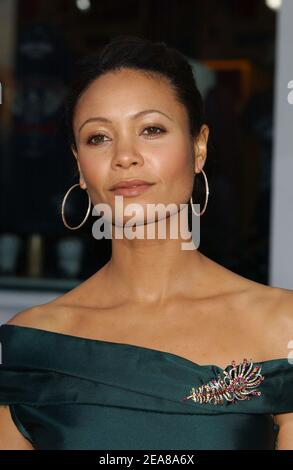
[94, 139]
[156, 128]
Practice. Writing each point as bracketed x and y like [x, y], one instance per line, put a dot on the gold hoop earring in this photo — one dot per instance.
[63, 205]
[207, 197]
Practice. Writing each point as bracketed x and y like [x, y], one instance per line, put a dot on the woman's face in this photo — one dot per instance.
[118, 137]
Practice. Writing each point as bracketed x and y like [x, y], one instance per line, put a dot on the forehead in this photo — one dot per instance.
[119, 93]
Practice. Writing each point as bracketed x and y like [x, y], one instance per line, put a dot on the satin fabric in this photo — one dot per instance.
[69, 392]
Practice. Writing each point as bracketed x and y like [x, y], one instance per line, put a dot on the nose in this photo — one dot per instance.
[125, 155]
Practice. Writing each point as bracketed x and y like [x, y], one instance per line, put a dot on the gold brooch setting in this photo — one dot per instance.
[237, 383]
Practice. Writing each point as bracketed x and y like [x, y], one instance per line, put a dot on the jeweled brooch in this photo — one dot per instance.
[238, 383]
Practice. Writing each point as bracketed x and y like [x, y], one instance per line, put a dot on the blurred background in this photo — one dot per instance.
[234, 50]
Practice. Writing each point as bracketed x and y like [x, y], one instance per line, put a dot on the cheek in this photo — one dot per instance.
[94, 169]
[175, 168]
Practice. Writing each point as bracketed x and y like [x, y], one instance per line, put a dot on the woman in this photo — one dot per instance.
[139, 356]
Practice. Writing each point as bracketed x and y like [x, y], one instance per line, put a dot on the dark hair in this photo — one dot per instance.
[153, 58]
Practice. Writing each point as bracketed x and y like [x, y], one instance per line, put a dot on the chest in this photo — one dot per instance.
[205, 334]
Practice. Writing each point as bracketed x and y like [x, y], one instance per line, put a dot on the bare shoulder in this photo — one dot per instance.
[49, 316]
[274, 305]
[282, 316]
[266, 311]
[59, 314]
[285, 302]
[280, 308]
[62, 313]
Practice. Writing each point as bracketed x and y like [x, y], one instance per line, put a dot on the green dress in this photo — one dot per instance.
[69, 392]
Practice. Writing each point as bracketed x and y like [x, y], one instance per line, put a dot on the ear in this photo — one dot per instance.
[200, 148]
[82, 182]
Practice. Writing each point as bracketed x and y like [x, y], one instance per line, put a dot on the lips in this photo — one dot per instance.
[130, 184]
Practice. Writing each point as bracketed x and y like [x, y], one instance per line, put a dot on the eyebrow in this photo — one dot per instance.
[134, 116]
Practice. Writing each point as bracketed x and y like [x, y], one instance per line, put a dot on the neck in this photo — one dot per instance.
[155, 270]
